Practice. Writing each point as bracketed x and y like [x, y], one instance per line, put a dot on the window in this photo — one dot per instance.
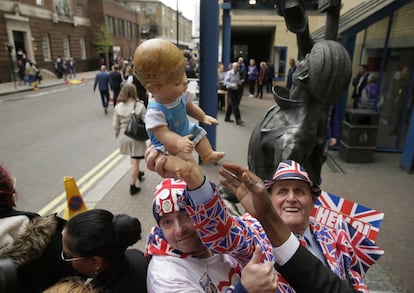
[120, 27]
[280, 62]
[79, 9]
[82, 48]
[150, 9]
[128, 32]
[110, 24]
[66, 47]
[40, 2]
[46, 47]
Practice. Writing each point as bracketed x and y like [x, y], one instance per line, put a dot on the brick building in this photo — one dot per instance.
[46, 29]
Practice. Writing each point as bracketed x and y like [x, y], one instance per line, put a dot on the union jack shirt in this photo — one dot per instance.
[348, 253]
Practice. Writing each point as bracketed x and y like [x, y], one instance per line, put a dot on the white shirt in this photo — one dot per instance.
[171, 274]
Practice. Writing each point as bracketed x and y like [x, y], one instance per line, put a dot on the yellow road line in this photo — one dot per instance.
[84, 178]
[91, 182]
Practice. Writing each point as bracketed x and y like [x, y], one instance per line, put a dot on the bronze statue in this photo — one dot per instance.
[296, 127]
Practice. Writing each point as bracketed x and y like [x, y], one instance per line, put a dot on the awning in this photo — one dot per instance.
[362, 16]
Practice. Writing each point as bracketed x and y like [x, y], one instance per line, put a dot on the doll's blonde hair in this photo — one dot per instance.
[158, 60]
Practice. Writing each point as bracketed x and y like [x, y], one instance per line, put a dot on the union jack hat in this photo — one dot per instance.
[289, 169]
[166, 197]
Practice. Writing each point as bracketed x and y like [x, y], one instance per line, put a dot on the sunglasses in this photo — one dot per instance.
[65, 257]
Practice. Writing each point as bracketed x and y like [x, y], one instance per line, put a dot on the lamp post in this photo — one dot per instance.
[137, 9]
[9, 49]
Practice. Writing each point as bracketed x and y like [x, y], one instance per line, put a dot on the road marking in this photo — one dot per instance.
[83, 183]
[43, 93]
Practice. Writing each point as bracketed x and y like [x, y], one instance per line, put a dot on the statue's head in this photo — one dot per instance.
[323, 74]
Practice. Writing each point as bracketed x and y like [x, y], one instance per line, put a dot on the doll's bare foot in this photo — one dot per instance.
[212, 157]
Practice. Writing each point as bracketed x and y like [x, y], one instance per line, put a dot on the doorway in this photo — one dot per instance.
[18, 38]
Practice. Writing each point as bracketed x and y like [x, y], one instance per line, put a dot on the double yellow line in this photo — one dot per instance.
[59, 203]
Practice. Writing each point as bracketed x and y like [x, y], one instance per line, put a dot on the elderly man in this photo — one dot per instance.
[292, 200]
[232, 82]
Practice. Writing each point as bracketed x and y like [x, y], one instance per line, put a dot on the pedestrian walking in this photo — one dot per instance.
[72, 68]
[270, 76]
[59, 67]
[232, 82]
[252, 74]
[129, 103]
[261, 79]
[115, 80]
[102, 81]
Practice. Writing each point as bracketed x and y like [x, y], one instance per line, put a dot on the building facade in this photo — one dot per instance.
[378, 33]
[46, 29]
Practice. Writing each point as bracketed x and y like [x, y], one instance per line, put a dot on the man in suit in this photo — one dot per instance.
[270, 76]
[102, 81]
[359, 82]
[288, 199]
[223, 233]
[115, 80]
[292, 70]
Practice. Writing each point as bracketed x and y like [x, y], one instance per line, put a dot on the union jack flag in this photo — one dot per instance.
[329, 207]
[364, 253]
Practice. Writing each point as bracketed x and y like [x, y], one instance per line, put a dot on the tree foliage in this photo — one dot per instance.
[104, 42]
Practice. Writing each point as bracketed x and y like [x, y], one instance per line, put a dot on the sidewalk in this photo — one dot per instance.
[7, 88]
[381, 185]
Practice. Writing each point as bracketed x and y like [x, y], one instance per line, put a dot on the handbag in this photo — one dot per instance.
[136, 127]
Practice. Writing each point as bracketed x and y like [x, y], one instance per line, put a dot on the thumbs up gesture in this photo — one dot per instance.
[259, 277]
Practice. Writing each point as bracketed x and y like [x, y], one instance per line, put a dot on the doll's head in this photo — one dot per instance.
[158, 61]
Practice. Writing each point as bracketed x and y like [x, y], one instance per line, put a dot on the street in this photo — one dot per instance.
[40, 147]
[52, 133]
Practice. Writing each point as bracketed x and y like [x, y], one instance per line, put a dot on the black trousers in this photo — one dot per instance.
[234, 104]
[104, 98]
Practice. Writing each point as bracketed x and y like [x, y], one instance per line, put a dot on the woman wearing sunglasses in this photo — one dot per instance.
[96, 243]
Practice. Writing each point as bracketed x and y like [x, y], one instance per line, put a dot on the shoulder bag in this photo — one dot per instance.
[136, 127]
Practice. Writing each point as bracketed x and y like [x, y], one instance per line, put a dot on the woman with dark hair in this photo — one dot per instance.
[96, 242]
[33, 243]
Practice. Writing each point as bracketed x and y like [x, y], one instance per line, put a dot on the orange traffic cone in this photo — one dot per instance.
[75, 203]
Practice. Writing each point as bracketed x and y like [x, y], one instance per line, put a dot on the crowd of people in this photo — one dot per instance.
[233, 82]
[27, 70]
[274, 247]
[196, 244]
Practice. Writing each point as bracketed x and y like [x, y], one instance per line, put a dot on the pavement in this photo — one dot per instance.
[381, 185]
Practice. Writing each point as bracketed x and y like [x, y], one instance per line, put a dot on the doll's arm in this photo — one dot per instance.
[197, 113]
[173, 142]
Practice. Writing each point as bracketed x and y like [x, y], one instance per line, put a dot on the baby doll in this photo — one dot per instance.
[160, 67]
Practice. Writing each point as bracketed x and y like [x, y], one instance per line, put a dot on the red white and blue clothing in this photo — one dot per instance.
[171, 271]
[347, 252]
